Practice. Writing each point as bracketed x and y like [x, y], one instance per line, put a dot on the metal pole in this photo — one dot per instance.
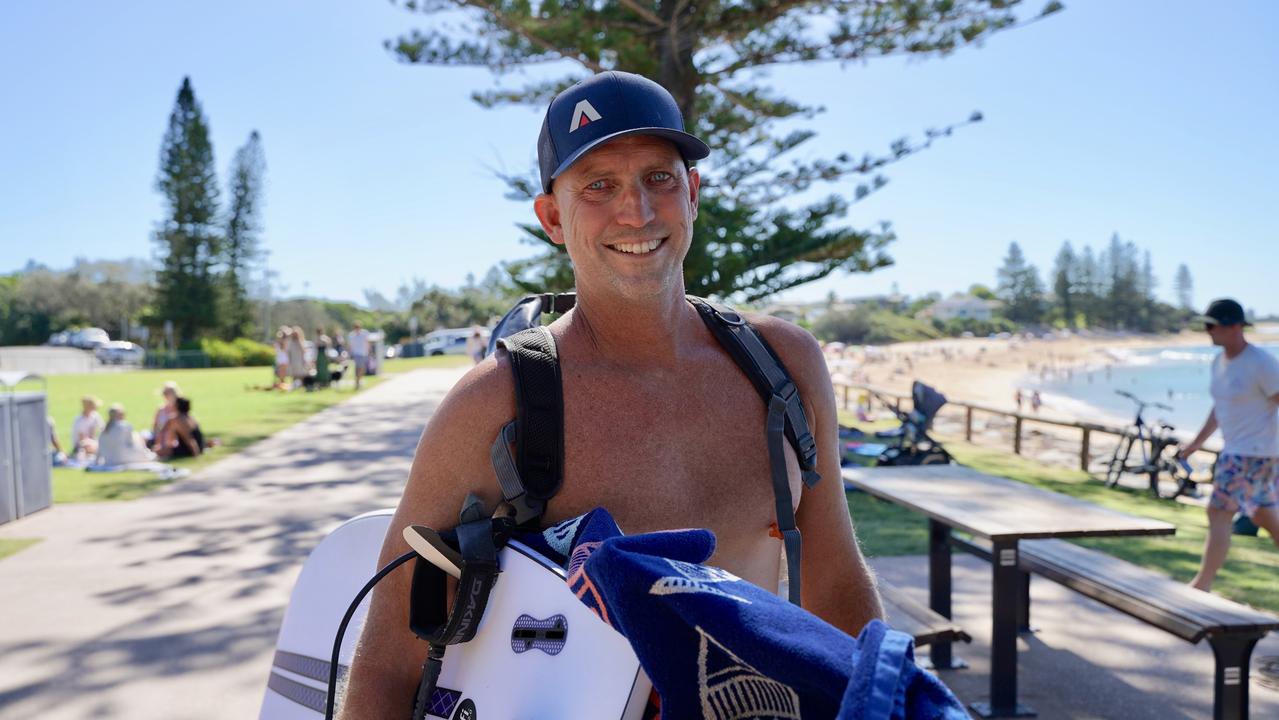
[1017, 436]
[1084, 450]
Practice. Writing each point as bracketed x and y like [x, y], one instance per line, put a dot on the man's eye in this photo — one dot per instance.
[597, 185]
[661, 176]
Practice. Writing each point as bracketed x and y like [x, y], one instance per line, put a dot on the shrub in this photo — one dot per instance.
[865, 325]
[238, 353]
[255, 353]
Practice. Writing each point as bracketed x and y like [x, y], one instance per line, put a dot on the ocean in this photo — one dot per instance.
[1175, 376]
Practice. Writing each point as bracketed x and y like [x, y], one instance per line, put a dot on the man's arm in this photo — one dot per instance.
[452, 460]
[1210, 427]
[836, 583]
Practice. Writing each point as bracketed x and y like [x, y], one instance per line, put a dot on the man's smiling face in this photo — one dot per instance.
[625, 213]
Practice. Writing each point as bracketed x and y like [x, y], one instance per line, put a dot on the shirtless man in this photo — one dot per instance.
[660, 425]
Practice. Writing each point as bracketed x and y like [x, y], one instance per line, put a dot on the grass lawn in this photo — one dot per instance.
[1248, 576]
[10, 546]
[228, 402]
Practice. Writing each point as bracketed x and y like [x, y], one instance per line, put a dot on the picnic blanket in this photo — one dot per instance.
[166, 472]
[719, 648]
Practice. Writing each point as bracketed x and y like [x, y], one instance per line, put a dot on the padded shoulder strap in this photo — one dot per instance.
[539, 408]
[759, 361]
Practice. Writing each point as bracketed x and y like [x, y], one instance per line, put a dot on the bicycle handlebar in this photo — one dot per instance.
[1141, 402]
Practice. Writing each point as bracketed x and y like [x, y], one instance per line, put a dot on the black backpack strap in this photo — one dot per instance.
[759, 361]
[785, 421]
[539, 424]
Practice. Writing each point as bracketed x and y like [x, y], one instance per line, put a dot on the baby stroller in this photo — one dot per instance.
[908, 444]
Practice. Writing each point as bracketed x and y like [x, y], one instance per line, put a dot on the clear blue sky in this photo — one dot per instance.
[1155, 120]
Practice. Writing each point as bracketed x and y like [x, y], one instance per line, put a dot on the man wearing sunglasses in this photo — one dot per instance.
[1245, 406]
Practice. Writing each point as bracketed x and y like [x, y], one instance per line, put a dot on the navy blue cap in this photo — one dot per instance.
[1224, 311]
[607, 106]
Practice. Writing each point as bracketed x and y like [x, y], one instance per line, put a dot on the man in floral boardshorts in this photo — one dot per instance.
[1245, 405]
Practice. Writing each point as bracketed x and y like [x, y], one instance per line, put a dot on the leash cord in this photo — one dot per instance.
[430, 675]
[331, 697]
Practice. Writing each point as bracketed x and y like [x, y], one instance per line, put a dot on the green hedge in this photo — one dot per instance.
[237, 353]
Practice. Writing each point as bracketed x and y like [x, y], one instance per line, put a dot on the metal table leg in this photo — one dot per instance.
[1006, 599]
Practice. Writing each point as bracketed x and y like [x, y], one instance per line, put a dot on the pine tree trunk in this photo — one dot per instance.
[676, 71]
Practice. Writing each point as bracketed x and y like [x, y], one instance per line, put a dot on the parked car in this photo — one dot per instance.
[120, 352]
[447, 342]
[60, 339]
[89, 338]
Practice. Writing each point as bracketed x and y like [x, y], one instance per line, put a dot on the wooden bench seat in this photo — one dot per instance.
[1232, 629]
[916, 619]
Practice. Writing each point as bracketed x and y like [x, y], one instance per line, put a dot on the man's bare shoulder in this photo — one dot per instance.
[798, 349]
[452, 456]
[486, 393]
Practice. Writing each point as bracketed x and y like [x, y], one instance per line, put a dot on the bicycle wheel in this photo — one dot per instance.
[1118, 464]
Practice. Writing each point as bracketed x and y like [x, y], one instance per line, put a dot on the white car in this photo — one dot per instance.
[448, 342]
[119, 352]
[89, 338]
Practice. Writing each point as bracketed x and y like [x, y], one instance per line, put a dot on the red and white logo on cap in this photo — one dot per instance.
[584, 114]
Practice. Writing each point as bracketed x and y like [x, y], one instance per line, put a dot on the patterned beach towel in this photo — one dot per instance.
[719, 648]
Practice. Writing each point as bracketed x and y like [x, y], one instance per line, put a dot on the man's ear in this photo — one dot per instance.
[694, 186]
[548, 213]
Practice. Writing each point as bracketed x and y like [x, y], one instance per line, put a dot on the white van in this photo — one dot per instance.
[449, 342]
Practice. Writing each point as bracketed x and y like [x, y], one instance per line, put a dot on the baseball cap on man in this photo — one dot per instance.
[604, 107]
[1224, 311]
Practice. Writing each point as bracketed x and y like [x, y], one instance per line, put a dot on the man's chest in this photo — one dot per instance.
[686, 449]
[1232, 382]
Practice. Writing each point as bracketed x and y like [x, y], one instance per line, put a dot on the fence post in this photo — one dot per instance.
[1083, 451]
[968, 423]
[1017, 436]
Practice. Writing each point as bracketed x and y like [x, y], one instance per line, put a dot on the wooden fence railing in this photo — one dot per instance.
[1019, 420]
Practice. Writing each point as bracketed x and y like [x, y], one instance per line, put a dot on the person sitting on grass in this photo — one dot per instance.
[186, 430]
[119, 444]
[56, 456]
[86, 428]
[163, 413]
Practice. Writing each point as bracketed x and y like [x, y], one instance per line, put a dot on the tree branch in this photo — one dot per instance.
[644, 12]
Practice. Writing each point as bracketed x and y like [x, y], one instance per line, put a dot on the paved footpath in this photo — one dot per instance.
[168, 606]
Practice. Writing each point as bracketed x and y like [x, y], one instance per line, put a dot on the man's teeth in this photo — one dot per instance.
[639, 248]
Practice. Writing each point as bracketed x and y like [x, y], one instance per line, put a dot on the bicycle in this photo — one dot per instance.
[1158, 450]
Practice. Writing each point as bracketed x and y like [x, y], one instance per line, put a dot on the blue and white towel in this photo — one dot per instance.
[719, 648]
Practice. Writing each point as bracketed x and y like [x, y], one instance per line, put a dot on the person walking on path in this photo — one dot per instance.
[1245, 406]
[661, 427]
[357, 343]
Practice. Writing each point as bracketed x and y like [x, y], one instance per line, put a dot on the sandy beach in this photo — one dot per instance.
[988, 372]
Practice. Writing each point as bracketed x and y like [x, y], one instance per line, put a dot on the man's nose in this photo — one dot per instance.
[635, 207]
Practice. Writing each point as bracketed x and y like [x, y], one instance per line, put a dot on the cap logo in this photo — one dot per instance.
[583, 115]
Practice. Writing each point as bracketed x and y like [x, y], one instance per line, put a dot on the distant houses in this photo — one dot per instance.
[959, 306]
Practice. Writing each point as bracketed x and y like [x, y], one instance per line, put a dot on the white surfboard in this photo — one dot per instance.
[538, 653]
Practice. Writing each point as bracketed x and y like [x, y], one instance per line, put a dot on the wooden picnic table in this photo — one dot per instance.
[1004, 512]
